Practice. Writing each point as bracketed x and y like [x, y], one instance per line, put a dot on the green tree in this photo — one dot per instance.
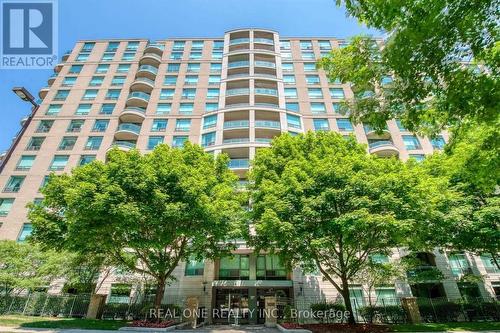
[143, 212]
[25, 267]
[321, 201]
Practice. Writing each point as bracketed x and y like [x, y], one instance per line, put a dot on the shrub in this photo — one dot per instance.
[383, 314]
[441, 311]
[328, 311]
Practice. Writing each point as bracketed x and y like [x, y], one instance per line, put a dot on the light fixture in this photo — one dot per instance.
[25, 95]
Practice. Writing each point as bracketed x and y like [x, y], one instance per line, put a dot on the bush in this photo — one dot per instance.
[441, 311]
[328, 311]
[384, 314]
[346, 328]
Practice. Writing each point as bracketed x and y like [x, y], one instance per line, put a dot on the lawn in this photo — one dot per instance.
[61, 323]
[440, 327]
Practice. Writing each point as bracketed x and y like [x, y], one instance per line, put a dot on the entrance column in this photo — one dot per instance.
[252, 305]
[271, 311]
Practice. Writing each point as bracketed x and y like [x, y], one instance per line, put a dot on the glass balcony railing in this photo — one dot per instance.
[266, 91]
[268, 105]
[380, 143]
[263, 41]
[239, 163]
[152, 55]
[139, 94]
[144, 80]
[236, 124]
[267, 64]
[148, 68]
[156, 45]
[125, 144]
[237, 91]
[235, 64]
[267, 123]
[135, 109]
[236, 140]
[134, 128]
[237, 41]
[263, 140]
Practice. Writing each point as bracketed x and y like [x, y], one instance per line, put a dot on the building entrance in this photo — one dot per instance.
[231, 306]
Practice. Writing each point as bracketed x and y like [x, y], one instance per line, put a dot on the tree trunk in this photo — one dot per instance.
[347, 300]
[160, 290]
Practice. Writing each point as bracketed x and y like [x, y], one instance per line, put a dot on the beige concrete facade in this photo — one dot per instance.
[230, 94]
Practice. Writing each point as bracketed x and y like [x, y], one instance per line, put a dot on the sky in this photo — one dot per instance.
[161, 19]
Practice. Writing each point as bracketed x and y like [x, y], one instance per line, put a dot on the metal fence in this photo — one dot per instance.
[43, 304]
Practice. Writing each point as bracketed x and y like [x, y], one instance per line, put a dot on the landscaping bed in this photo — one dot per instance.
[338, 328]
[152, 324]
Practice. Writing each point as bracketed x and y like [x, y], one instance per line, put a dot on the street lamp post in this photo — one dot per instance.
[25, 95]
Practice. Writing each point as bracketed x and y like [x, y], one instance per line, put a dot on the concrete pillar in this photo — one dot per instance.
[191, 313]
[410, 306]
[252, 305]
[271, 311]
[96, 305]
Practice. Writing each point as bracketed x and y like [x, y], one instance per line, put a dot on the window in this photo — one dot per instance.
[179, 45]
[132, 46]
[218, 45]
[183, 125]
[44, 126]
[308, 55]
[163, 108]
[176, 55]
[211, 107]
[75, 126]
[289, 79]
[459, 264]
[337, 93]
[379, 258]
[107, 108]
[286, 55]
[120, 293]
[178, 140]
[336, 107]
[75, 69]
[159, 125]
[210, 121]
[269, 267]
[344, 125]
[25, 232]
[67, 143]
[318, 108]
[321, 125]
[93, 143]
[100, 125]
[96, 81]
[287, 66]
[208, 139]
[69, 81]
[45, 180]
[86, 159]
[194, 267]
[112, 46]
[324, 45]
[417, 157]
[191, 80]
[489, 265]
[386, 296]
[61, 95]
[90, 94]
[195, 55]
[35, 143]
[59, 162]
[285, 45]
[123, 68]
[312, 79]
[400, 125]
[108, 56]
[87, 47]
[14, 184]
[167, 93]
[83, 109]
[113, 94]
[188, 93]
[306, 45]
[128, 56]
[216, 54]
[118, 81]
[213, 93]
[170, 80]
[438, 142]
[186, 108]
[25, 162]
[214, 79]
[53, 109]
[197, 45]
[309, 67]
[293, 121]
[82, 57]
[193, 67]
[290, 93]
[154, 141]
[292, 107]
[102, 69]
[315, 93]
[5, 206]
[173, 68]
[215, 68]
[411, 142]
[236, 267]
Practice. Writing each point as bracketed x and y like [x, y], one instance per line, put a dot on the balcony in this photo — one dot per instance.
[265, 64]
[238, 64]
[268, 124]
[138, 99]
[383, 148]
[236, 124]
[239, 41]
[151, 59]
[236, 141]
[372, 134]
[142, 84]
[237, 92]
[239, 163]
[43, 92]
[266, 91]
[147, 71]
[133, 114]
[52, 78]
[156, 48]
[66, 55]
[58, 67]
[263, 140]
[267, 41]
[123, 145]
[127, 131]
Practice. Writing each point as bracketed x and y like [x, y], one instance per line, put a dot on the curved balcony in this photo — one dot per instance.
[138, 98]
[237, 92]
[235, 141]
[261, 40]
[150, 58]
[43, 92]
[156, 48]
[58, 67]
[238, 64]
[66, 55]
[239, 163]
[143, 84]
[265, 64]
[266, 91]
[123, 145]
[127, 131]
[133, 114]
[234, 124]
[268, 124]
[372, 134]
[247, 75]
[239, 41]
[52, 78]
[383, 148]
[147, 71]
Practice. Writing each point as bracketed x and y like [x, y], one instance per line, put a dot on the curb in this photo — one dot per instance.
[292, 330]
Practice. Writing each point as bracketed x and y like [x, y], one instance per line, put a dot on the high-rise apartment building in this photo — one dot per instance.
[231, 94]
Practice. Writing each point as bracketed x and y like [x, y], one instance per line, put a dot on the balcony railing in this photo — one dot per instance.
[237, 41]
[263, 140]
[263, 41]
[145, 80]
[266, 91]
[152, 55]
[235, 64]
[267, 64]
[236, 140]
[236, 124]
[139, 94]
[267, 123]
[238, 91]
[148, 68]
[134, 128]
[239, 163]
[124, 144]
[381, 144]
[135, 109]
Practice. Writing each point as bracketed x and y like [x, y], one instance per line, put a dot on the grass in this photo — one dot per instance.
[60, 323]
[440, 327]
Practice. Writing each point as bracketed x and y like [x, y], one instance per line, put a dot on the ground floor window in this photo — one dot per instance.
[120, 293]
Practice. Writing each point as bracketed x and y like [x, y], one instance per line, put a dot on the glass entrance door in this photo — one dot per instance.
[231, 306]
